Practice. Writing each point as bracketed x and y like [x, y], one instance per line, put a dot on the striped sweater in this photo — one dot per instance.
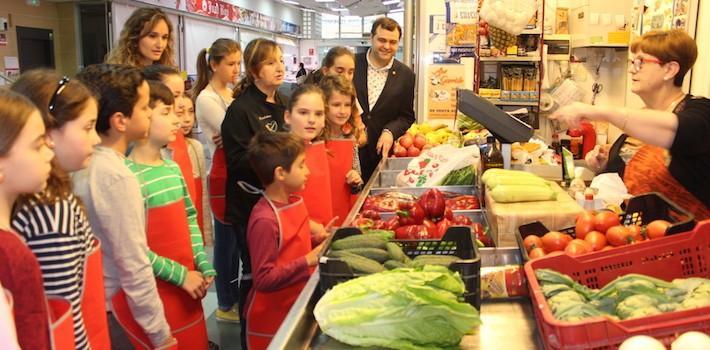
[60, 236]
[162, 185]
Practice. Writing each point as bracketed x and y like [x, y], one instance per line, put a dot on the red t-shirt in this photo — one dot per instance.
[20, 274]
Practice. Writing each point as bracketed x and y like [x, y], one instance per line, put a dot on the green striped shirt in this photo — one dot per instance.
[162, 185]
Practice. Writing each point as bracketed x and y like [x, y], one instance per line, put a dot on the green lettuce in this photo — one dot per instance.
[406, 308]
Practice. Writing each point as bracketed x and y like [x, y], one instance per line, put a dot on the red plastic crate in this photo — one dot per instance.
[678, 256]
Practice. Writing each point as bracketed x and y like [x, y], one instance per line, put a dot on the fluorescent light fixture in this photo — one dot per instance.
[325, 0]
[291, 2]
[397, 10]
[307, 10]
[388, 2]
[340, 9]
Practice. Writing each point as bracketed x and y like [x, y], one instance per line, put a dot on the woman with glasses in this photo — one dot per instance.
[666, 145]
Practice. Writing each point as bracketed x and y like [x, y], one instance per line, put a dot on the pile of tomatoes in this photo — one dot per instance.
[594, 231]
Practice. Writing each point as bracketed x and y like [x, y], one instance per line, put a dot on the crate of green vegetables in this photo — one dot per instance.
[660, 289]
[353, 253]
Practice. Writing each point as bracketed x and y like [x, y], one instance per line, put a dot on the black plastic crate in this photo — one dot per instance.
[457, 241]
[640, 210]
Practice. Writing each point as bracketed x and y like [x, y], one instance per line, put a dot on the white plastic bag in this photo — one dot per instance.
[432, 166]
[509, 15]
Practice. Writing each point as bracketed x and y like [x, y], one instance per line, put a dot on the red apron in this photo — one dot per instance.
[61, 323]
[182, 158]
[647, 172]
[169, 236]
[316, 194]
[218, 184]
[199, 207]
[340, 162]
[267, 310]
[93, 300]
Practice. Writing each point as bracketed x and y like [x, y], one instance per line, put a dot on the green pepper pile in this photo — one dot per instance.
[626, 297]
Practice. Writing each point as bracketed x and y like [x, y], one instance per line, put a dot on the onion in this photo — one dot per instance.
[642, 342]
[691, 341]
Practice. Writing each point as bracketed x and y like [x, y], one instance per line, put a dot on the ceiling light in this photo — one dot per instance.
[388, 2]
[340, 9]
[397, 10]
[325, 0]
[291, 2]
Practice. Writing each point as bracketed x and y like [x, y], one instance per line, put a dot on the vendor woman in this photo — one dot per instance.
[666, 145]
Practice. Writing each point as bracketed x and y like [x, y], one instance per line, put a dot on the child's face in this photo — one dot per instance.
[272, 70]
[342, 65]
[25, 168]
[74, 142]
[307, 117]
[295, 178]
[187, 121]
[152, 46]
[139, 122]
[228, 68]
[339, 109]
[164, 124]
[176, 85]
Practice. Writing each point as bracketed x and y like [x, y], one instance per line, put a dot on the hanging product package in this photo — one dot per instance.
[509, 15]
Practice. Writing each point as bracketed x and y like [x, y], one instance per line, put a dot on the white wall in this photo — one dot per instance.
[271, 8]
[700, 84]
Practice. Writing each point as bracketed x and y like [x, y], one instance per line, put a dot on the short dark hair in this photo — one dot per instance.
[668, 46]
[117, 86]
[270, 150]
[160, 92]
[387, 24]
[158, 71]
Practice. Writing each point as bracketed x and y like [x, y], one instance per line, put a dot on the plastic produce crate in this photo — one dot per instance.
[681, 256]
[641, 210]
[457, 242]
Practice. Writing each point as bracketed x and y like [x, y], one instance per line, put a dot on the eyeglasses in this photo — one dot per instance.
[639, 61]
[62, 85]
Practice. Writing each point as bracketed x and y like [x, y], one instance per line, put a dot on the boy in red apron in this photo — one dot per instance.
[279, 235]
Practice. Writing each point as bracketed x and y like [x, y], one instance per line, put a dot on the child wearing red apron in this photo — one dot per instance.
[177, 254]
[53, 222]
[279, 236]
[341, 135]
[24, 168]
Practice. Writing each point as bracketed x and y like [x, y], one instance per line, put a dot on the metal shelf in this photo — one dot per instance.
[513, 103]
[511, 59]
[534, 31]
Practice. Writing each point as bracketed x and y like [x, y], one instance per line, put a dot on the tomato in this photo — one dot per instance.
[619, 235]
[555, 241]
[657, 228]
[536, 253]
[635, 231]
[530, 242]
[585, 224]
[596, 239]
[578, 247]
[607, 248]
[604, 220]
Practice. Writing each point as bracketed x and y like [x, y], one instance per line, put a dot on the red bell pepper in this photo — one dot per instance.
[462, 220]
[370, 214]
[411, 232]
[392, 224]
[465, 202]
[433, 202]
[430, 227]
[441, 228]
[378, 225]
[480, 233]
[449, 214]
[412, 216]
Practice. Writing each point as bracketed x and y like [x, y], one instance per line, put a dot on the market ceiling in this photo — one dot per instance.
[348, 7]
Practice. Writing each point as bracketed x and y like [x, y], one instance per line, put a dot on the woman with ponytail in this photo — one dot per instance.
[218, 68]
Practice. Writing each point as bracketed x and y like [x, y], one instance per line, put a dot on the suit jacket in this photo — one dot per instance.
[394, 109]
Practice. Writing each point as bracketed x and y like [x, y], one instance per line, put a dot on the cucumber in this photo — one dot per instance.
[360, 241]
[396, 253]
[442, 260]
[394, 264]
[378, 255]
[386, 234]
[362, 264]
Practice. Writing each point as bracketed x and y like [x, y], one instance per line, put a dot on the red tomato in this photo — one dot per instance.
[530, 242]
[619, 235]
[635, 231]
[607, 248]
[536, 253]
[585, 224]
[596, 239]
[578, 247]
[555, 241]
[657, 229]
[604, 220]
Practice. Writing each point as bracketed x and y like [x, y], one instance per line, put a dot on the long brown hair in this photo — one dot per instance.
[41, 86]
[331, 84]
[15, 109]
[219, 49]
[316, 76]
[256, 52]
[141, 22]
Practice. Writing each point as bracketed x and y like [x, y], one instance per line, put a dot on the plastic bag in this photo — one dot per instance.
[510, 15]
[434, 164]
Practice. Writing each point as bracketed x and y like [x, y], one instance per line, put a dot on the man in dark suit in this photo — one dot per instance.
[385, 91]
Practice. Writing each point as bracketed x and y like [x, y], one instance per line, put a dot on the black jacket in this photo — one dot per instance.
[394, 109]
[248, 114]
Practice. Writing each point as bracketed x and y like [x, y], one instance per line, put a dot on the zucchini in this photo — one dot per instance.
[360, 241]
[441, 260]
[378, 255]
[362, 264]
[396, 253]
[394, 264]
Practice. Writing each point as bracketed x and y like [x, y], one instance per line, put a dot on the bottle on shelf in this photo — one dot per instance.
[588, 199]
[493, 157]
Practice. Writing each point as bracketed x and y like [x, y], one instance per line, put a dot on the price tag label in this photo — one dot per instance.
[463, 12]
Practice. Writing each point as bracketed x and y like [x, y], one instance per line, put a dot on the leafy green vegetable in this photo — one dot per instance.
[406, 308]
